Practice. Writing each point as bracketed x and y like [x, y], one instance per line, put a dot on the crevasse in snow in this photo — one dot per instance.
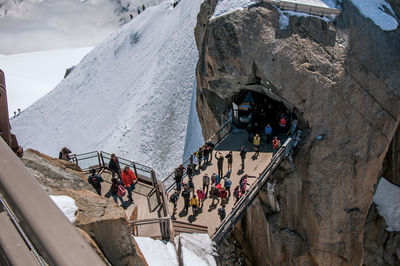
[130, 95]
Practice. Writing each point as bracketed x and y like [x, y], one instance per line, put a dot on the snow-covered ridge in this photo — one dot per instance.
[130, 95]
[29, 76]
[33, 25]
[379, 11]
[228, 6]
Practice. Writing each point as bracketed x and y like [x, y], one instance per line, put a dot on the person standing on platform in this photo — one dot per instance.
[114, 167]
[129, 180]
[220, 163]
[243, 152]
[229, 157]
[95, 180]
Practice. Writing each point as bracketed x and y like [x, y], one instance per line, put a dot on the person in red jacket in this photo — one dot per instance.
[129, 180]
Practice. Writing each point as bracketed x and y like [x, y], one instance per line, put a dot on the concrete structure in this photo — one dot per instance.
[317, 8]
[5, 127]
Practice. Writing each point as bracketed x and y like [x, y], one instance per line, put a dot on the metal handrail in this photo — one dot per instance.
[239, 209]
[216, 138]
[52, 234]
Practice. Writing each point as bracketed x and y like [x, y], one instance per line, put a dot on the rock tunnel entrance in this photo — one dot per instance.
[256, 108]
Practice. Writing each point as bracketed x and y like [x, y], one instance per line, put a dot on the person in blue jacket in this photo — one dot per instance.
[95, 180]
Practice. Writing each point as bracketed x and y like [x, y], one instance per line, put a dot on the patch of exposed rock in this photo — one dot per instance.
[55, 174]
[381, 246]
[105, 224]
[342, 78]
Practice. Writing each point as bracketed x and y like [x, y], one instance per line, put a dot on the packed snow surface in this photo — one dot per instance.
[157, 252]
[227, 6]
[197, 249]
[130, 95]
[33, 25]
[66, 205]
[387, 199]
[29, 76]
[379, 11]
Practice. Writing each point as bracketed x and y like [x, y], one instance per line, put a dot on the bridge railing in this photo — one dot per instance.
[158, 228]
[100, 159]
[239, 209]
[169, 181]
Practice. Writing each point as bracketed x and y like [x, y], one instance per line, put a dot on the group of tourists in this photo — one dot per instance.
[216, 187]
[121, 181]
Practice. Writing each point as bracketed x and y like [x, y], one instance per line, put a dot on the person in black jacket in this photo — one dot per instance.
[178, 179]
[220, 163]
[114, 191]
[243, 152]
[114, 167]
[186, 197]
[95, 181]
[229, 157]
[210, 146]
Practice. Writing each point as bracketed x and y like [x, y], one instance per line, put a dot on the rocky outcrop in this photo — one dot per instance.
[103, 221]
[55, 174]
[342, 79]
[391, 165]
[381, 246]
[108, 226]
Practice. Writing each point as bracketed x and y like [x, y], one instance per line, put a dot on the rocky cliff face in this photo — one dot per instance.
[342, 78]
[104, 224]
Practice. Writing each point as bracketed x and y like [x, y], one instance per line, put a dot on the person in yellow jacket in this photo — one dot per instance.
[256, 142]
[194, 202]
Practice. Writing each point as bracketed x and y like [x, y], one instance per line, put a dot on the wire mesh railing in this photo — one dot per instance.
[239, 209]
[169, 181]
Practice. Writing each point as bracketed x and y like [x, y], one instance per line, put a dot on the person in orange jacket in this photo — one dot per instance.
[129, 180]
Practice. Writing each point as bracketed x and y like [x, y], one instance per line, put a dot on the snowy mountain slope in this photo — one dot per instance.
[29, 76]
[33, 25]
[131, 95]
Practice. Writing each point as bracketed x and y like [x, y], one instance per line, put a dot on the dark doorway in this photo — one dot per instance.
[253, 111]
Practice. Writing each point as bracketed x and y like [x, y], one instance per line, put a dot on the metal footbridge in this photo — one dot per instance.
[259, 169]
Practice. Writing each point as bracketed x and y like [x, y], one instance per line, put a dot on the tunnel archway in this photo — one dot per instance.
[255, 107]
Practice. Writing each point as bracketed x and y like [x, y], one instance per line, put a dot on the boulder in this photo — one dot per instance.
[55, 174]
[103, 221]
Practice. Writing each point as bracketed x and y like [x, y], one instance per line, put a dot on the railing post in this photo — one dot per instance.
[102, 160]
[134, 168]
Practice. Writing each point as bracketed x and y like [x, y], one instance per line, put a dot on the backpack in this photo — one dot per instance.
[121, 191]
[228, 183]
[94, 181]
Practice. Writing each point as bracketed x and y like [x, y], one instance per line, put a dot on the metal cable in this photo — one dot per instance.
[14, 219]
